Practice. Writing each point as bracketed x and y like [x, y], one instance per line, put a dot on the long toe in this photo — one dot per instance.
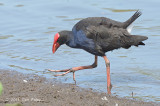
[63, 73]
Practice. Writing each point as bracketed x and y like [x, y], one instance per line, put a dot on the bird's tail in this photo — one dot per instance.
[132, 19]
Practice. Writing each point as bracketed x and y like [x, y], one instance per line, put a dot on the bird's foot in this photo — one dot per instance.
[62, 73]
[66, 71]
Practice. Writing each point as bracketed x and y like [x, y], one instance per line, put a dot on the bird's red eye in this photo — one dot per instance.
[56, 37]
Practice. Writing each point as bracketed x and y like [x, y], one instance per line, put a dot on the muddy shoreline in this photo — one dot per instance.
[34, 90]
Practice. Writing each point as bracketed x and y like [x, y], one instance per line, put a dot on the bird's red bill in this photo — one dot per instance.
[55, 47]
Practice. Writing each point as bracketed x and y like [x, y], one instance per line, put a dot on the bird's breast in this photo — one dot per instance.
[87, 44]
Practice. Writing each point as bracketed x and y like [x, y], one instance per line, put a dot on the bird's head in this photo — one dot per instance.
[60, 38]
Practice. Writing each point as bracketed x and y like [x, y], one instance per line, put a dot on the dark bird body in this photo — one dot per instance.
[98, 35]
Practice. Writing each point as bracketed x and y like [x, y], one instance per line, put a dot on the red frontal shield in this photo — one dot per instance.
[55, 44]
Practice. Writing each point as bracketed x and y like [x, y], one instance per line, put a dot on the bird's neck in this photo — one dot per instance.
[71, 40]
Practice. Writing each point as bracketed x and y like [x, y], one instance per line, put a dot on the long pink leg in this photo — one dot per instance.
[75, 69]
[109, 86]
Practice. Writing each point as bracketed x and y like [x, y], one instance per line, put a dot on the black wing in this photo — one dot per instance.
[96, 21]
[109, 38]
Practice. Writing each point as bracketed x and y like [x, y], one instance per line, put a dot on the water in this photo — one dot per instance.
[28, 27]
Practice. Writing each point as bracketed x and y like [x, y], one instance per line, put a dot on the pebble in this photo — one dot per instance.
[25, 81]
[104, 98]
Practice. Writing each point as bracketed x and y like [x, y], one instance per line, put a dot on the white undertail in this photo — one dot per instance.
[129, 28]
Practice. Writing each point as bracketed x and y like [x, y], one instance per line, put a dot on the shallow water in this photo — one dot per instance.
[28, 27]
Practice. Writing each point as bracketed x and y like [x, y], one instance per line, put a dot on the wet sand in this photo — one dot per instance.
[34, 90]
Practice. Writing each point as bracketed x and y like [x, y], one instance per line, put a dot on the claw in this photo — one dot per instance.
[55, 75]
[46, 69]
